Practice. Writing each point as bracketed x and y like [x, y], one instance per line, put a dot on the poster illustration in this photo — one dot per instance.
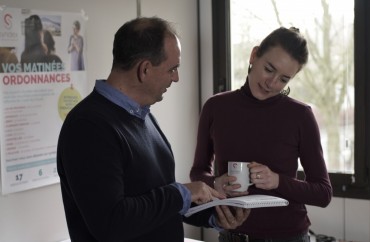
[43, 76]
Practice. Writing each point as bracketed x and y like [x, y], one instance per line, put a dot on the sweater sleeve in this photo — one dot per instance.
[316, 189]
[202, 168]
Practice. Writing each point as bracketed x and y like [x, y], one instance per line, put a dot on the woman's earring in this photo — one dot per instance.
[249, 68]
[285, 92]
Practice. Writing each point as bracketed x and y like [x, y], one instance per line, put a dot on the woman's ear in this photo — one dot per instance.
[253, 54]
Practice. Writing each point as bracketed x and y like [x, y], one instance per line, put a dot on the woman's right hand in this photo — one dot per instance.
[223, 185]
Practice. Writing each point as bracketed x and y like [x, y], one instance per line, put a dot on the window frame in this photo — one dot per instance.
[344, 185]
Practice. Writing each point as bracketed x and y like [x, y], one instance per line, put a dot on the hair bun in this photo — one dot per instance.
[294, 29]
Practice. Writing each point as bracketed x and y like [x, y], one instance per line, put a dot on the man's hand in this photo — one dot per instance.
[231, 217]
[202, 193]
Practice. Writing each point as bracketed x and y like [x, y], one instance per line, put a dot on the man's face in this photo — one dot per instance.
[161, 77]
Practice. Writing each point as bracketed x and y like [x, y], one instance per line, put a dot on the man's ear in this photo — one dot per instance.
[143, 69]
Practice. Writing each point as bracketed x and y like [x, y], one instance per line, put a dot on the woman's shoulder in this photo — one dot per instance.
[297, 106]
[52, 58]
[219, 101]
[223, 96]
[295, 101]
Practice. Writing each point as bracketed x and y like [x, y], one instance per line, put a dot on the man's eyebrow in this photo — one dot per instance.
[175, 66]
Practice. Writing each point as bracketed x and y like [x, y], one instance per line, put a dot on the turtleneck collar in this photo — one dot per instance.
[245, 89]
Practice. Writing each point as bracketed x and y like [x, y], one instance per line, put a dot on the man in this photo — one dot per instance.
[116, 166]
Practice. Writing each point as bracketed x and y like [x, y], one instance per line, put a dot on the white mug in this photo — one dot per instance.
[240, 170]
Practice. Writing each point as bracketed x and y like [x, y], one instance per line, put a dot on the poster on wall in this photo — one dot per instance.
[43, 76]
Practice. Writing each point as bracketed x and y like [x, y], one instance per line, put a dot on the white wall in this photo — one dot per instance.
[37, 215]
[178, 113]
[206, 49]
[344, 218]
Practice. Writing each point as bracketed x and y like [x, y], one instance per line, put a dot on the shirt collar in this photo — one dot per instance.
[119, 98]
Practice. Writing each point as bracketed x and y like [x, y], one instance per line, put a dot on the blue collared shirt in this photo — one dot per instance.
[122, 100]
[119, 98]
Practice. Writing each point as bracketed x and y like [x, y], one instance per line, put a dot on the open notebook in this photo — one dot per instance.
[249, 201]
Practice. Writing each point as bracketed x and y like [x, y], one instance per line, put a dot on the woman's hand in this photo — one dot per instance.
[263, 177]
[223, 185]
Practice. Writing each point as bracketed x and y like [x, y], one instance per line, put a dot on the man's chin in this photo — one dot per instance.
[159, 99]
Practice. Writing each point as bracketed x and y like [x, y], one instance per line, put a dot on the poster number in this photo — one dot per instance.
[18, 177]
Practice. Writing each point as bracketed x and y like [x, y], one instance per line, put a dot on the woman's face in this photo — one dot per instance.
[75, 30]
[271, 72]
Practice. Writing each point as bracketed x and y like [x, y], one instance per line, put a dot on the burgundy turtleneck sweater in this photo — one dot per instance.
[277, 132]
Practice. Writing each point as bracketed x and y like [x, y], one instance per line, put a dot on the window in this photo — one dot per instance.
[333, 82]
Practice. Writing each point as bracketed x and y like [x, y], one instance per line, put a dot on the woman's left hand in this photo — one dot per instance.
[263, 177]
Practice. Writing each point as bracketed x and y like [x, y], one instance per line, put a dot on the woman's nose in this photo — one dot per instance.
[271, 81]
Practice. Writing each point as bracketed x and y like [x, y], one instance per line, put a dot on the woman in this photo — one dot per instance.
[35, 49]
[75, 48]
[50, 43]
[260, 124]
